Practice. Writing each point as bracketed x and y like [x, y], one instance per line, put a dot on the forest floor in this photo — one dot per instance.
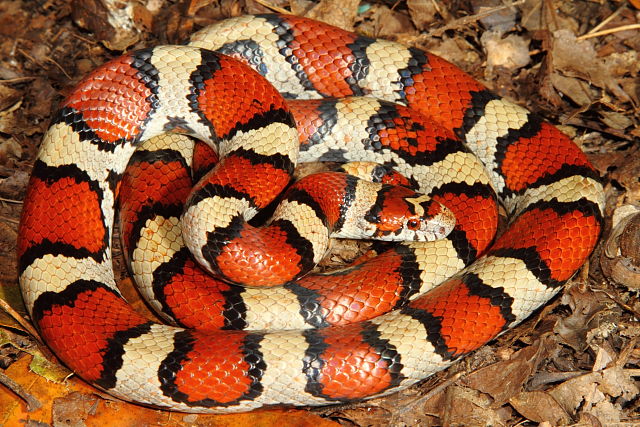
[576, 63]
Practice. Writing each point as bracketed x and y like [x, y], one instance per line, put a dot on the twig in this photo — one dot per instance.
[32, 402]
[4, 199]
[272, 6]
[32, 59]
[17, 80]
[609, 31]
[608, 19]
[29, 57]
[472, 18]
[619, 302]
[59, 66]
[21, 320]
[7, 219]
[79, 37]
[432, 392]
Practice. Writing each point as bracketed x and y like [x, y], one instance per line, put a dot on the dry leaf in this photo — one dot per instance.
[464, 406]
[578, 58]
[505, 379]
[509, 53]
[621, 258]
[589, 317]
[423, 13]
[112, 24]
[539, 406]
[593, 393]
[500, 21]
[340, 13]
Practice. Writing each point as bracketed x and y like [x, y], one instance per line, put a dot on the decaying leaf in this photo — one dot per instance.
[505, 379]
[509, 53]
[539, 406]
[578, 58]
[593, 392]
[589, 318]
[621, 258]
[423, 12]
[111, 21]
[592, 83]
[340, 13]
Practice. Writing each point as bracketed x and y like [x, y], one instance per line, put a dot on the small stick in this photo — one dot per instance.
[272, 6]
[4, 199]
[26, 325]
[467, 20]
[32, 403]
[608, 19]
[609, 31]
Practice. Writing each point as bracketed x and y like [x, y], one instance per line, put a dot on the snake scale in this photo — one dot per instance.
[550, 191]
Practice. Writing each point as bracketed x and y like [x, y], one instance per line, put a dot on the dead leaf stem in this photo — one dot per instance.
[272, 6]
[21, 320]
[32, 403]
[608, 19]
[468, 20]
[610, 31]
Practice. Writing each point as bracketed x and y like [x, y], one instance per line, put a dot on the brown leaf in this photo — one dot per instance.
[579, 91]
[73, 409]
[620, 260]
[113, 26]
[340, 13]
[464, 406]
[390, 24]
[599, 393]
[9, 148]
[500, 20]
[509, 53]
[578, 58]
[8, 97]
[539, 406]
[505, 379]
[423, 13]
[589, 315]
[142, 17]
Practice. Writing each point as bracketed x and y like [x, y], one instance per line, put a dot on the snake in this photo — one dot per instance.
[227, 87]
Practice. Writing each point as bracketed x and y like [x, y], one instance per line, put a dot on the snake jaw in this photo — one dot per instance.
[418, 228]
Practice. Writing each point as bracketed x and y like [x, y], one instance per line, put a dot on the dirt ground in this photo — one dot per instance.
[577, 63]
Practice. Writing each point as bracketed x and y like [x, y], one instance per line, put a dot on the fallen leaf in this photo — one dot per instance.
[589, 317]
[505, 379]
[578, 58]
[423, 13]
[500, 21]
[509, 53]
[593, 393]
[465, 406]
[539, 406]
[620, 260]
[340, 13]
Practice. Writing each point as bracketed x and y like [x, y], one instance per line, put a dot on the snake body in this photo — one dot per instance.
[546, 184]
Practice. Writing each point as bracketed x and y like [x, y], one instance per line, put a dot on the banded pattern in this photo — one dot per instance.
[544, 180]
[328, 299]
[341, 205]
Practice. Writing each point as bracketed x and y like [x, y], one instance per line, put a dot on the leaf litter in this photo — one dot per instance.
[575, 362]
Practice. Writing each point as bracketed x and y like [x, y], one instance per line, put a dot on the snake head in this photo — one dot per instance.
[404, 215]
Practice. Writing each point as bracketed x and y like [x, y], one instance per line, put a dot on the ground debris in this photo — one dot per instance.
[575, 63]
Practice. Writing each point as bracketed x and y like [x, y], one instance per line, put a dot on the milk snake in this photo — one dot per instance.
[544, 181]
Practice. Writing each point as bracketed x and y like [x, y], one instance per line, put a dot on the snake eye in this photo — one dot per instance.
[413, 224]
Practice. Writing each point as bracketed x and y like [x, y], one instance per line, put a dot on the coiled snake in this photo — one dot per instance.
[545, 182]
